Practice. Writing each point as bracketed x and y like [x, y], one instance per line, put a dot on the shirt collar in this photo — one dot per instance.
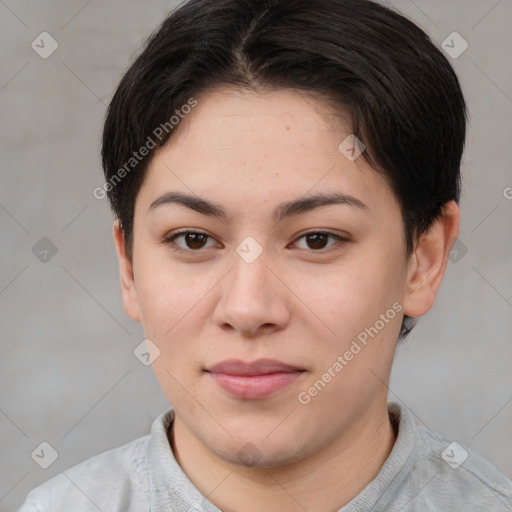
[396, 467]
[171, 489]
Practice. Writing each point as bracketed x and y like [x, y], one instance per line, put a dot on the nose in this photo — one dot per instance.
[253, 299]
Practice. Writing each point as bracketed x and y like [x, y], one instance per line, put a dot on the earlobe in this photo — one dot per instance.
[128, 290]
[427, 265]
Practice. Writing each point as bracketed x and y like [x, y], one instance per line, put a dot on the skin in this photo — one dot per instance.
[301, 301]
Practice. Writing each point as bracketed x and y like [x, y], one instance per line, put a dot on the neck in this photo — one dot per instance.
[327, 480]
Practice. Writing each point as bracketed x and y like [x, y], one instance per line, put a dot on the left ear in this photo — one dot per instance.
[427, 265]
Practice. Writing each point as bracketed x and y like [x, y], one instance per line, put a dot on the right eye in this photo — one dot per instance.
[193, 241]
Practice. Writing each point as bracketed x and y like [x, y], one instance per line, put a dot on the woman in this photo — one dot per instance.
[285, 177]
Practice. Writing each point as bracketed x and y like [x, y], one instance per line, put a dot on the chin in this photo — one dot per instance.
[258, 451]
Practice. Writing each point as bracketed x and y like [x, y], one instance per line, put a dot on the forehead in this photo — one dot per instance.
[247, 145]
[266, 117]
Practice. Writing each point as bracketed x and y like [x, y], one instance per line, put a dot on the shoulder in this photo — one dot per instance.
[115, 480]
[454, 474]
[427, 471]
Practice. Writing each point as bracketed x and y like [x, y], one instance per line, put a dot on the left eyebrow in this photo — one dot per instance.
[282, 211]
[308, 203]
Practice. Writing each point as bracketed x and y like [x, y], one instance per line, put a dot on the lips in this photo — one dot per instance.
[254, 380]
[258, 367]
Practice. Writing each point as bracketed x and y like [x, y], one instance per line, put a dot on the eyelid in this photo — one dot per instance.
[323, 231]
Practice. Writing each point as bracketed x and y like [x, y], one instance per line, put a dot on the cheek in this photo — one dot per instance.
[352, 295]
[172, 306]
[168, 295]
[361, 304]
[352, 364]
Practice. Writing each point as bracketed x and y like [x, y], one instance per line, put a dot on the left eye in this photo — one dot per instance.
[316, 240]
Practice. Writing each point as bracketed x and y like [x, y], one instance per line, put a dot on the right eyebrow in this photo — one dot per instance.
[193, 202]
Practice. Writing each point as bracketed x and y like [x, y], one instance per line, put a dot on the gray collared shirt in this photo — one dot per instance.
[424, 472]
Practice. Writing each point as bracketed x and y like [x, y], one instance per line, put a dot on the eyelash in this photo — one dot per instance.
[169, 240]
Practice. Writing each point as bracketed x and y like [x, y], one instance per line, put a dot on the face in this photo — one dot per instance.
[258, 271]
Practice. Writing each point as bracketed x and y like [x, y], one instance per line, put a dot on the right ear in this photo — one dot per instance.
[128, 290]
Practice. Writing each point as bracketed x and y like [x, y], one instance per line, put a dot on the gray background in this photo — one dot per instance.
[67, 371]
